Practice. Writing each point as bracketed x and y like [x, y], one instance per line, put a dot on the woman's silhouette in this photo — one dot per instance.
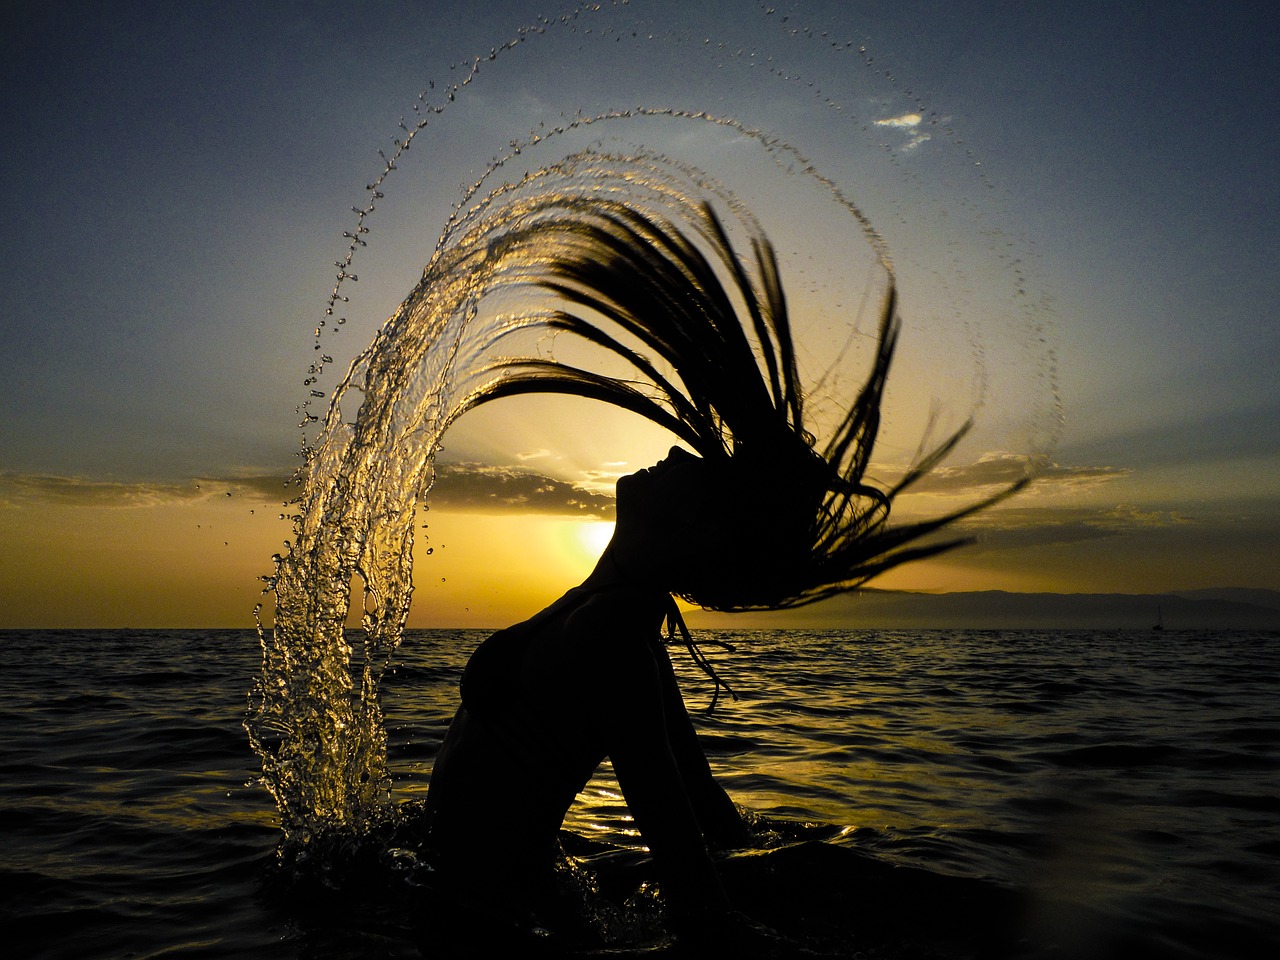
[756, 518]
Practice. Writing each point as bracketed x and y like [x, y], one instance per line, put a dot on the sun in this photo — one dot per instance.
[593, 536]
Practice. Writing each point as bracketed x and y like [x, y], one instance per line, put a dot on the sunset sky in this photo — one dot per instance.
[1080, 200]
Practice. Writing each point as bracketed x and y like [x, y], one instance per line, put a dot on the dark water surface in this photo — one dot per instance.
[1093, 794]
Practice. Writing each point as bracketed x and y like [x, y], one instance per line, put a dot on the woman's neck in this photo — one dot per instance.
[609, 572]
[614, 572]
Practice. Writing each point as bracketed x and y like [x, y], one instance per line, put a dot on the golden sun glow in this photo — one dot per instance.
[594, 536]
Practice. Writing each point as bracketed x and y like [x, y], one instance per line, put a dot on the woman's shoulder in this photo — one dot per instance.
[617, 627]
[619, 610]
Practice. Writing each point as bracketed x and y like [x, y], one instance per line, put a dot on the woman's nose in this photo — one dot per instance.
[674, 457]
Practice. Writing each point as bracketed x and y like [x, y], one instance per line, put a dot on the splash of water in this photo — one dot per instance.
[316, 716]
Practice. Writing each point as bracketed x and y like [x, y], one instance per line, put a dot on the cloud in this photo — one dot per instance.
[907, 123]
[20, 489]
[464, 486]
[1051, 516]
[1018, 527]
[260, 486]
[996, 470]
[476, 487]
[1066, 479]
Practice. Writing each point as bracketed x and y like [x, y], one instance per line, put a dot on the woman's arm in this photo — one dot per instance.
[629, 704]
[722, 824]
[636, 700]
[653, 780]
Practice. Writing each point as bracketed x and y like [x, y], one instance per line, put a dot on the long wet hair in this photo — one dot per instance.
[810, 522]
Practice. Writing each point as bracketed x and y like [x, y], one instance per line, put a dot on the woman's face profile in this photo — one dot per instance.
[679, 494]
[659, 489]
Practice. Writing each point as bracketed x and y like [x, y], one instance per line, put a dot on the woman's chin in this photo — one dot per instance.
[630, 486]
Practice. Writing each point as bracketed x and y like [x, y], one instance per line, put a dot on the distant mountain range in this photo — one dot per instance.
[1228, 608]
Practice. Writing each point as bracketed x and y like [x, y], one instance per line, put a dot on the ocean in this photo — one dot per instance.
[1083, 794]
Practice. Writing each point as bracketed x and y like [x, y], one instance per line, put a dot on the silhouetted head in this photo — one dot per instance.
[723, 533]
